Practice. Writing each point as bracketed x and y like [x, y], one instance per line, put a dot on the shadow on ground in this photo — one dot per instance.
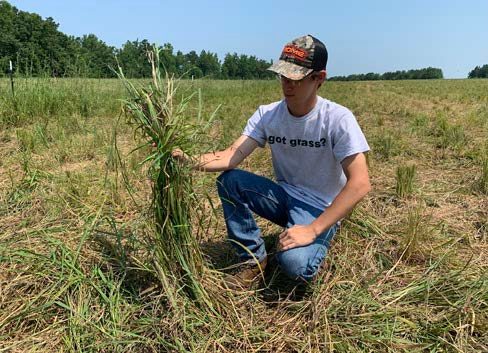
[275, 287]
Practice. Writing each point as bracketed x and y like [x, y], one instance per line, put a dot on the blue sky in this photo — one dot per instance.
[361, 36]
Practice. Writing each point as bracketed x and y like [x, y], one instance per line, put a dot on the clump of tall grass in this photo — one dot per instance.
[405, 176]
[448, 135]
[482, 183]
[480, 156]
[415, 235]
[419, 123]
[386, 145]
[160, 116]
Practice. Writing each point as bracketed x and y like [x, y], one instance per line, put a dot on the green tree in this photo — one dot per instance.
[97, 57]
[230, 67]
[9, 44]
[209, 64]
[167, 58]
[133, 59]
[180, 63]
[192, 63]
[479, 72]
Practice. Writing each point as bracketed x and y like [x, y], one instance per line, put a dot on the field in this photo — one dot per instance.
[407, 271]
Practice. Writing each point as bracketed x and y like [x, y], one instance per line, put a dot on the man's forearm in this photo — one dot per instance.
[222, 160]
[302, 235]
[212, 162]
[343, 204]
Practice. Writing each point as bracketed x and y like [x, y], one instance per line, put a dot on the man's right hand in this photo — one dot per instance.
[181, 156]
[219, 161]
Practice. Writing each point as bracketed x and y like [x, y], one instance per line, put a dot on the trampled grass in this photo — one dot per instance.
[405, 274]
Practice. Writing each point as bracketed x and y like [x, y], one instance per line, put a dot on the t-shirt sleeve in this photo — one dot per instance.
[347, 137]
[254, 128]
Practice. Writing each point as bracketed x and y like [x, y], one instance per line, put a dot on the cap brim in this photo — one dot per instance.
[290, 70]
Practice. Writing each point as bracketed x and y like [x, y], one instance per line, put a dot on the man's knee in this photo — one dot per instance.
[296, 265]
[227, 177]
[227, 181]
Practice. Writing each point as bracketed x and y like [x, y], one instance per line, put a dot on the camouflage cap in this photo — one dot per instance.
[300, 57]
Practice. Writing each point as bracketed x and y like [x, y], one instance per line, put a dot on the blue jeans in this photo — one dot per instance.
[241, 194]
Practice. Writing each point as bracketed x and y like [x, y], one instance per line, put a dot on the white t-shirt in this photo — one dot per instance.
[307, 151]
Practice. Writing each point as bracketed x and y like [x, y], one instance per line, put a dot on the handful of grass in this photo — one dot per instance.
[159, 117]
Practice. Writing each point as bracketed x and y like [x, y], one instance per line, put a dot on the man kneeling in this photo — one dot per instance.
[318, 158]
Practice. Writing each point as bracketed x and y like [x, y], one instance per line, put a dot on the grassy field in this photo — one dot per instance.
[406, 273]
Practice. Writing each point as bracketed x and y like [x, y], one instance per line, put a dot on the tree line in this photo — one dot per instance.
[419, 74]
[479, 72]
[36, 47]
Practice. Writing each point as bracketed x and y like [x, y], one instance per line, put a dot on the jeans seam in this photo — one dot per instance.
[262, 195]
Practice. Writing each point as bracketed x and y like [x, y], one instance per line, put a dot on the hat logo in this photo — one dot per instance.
[295, 52]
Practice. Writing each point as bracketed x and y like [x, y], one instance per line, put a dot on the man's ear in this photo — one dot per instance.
[323, 75]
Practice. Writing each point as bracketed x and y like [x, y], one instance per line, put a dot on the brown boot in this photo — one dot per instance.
[247, 274]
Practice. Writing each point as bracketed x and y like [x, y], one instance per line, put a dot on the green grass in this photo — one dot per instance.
[405, 177]
[77, 241]
[482, 182]
[386, 145]
[44, 98]
[448, 135]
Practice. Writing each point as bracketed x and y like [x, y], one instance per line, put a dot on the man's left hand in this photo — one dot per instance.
[298, 235]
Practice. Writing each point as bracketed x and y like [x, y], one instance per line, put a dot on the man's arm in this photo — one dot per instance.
[357, 186]
[222, 160]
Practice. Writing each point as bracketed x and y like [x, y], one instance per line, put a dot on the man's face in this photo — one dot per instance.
[297, 91]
